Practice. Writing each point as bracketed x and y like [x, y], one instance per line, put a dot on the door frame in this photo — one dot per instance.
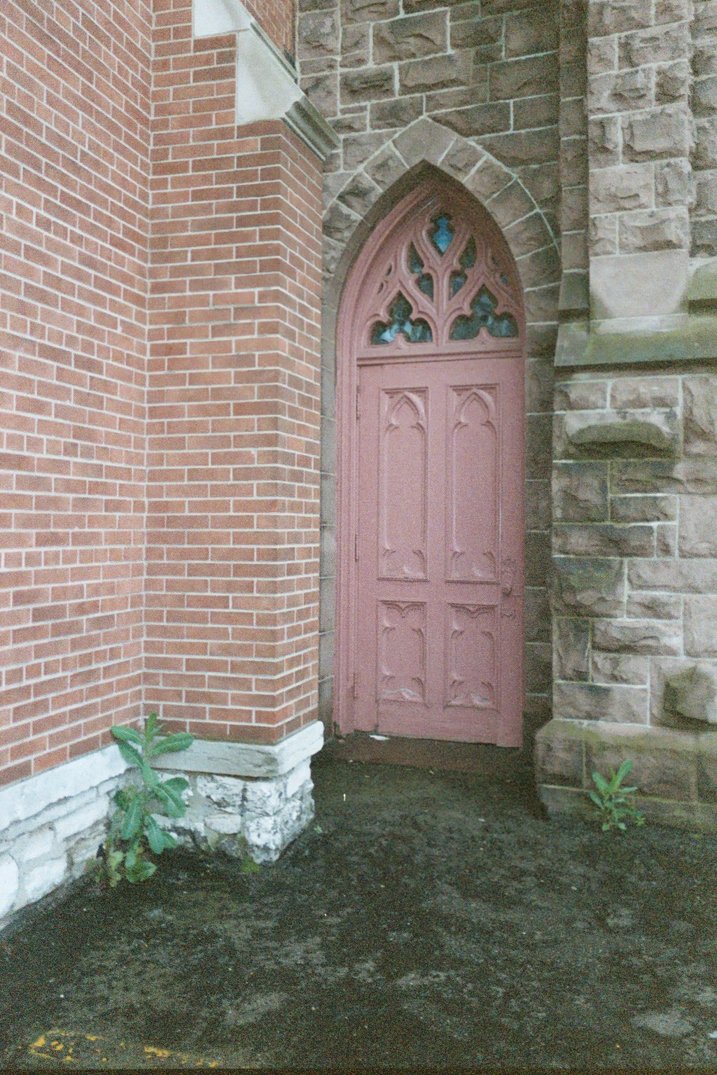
[347, 379]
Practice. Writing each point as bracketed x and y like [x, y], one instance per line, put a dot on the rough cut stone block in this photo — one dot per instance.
[9, 883]
[654, 606]
[619, 668]
[705, 96]
[395, 113]
[559, 755]
[340, 222]
[665, 760]
[617, 189]
[580, 395]
[673, 576]
[488, 179]
[672, 83]
[655, 229]
[664, 476]
[530, 32]
[424, 140]
[40, 880]
[701, 626]
[323, 92]
[589, 587]
[385, 167]
[476, 120]
[571, 648]
[580, 492]
[616, 16]
[603, 235]
[698, 526]
[692, 693]
[436, 72]
[359, 148]
[356, 45]
[604, 141]
[707, 767]
[475, 32]
[642, 509]
[367, 84]
[623, 91]
[705, 150]
[82, 820]
[369, 10]
[645, 392]
[656, 133]
[603, 539]
[700, 400]
[524, 78]
[359, 194]
[621, 435]
[319, 34]
[600, 702]
[649, 637]
[666, 539]
[410, 37]
[654, 44]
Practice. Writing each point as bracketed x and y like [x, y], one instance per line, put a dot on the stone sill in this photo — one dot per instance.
[694, 340]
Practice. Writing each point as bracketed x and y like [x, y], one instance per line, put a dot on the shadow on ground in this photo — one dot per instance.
[426, 918]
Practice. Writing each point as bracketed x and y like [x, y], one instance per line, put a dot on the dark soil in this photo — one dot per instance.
[424, 919]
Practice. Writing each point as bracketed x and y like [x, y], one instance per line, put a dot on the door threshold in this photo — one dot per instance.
[429, 754]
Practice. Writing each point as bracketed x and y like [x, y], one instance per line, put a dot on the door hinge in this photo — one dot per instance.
[354, 685]
[358, 402]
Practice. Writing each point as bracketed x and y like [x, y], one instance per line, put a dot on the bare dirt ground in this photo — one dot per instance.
[425, 919]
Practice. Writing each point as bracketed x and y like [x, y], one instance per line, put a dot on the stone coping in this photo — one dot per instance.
[266, 86]
[693, 340]
[27, 798]
[254, 760]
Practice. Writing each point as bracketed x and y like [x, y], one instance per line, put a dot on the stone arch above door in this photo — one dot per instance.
[390, 172]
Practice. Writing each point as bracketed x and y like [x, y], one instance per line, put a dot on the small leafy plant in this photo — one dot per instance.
[134, 834]
[613, 801]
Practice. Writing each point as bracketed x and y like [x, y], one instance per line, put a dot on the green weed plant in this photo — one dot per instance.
[134, 835]
[613, 801]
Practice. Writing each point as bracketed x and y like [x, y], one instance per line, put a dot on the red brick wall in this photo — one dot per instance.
[276, 18]
[74, 107]
[221, 359]
[233, 405]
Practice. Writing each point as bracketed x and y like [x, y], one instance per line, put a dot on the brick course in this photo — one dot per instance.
[175, 344]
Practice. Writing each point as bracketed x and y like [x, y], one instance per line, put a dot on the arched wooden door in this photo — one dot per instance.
[431, 532]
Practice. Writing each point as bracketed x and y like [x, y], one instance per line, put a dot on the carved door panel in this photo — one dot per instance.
[439, 550]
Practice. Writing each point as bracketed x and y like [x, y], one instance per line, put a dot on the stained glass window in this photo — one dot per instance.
[484, 316]
[467, 261]
[401, 323]
[415, 265]
[443, 232]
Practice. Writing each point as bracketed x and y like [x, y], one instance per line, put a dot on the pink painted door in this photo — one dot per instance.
[431, 478]
[438, 550]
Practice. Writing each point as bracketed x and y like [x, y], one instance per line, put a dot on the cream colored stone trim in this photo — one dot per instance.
[247, 759]
[266, 85]
[27, 798]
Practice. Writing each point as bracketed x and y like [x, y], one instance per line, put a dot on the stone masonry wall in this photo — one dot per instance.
[635, 579]
[487, 71]
[704, 104]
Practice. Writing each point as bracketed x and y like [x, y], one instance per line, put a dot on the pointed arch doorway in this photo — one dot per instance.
[431, 338]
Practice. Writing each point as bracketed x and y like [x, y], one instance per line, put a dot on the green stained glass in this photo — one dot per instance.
[424, 279]
[401, 323]
[502, 326]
